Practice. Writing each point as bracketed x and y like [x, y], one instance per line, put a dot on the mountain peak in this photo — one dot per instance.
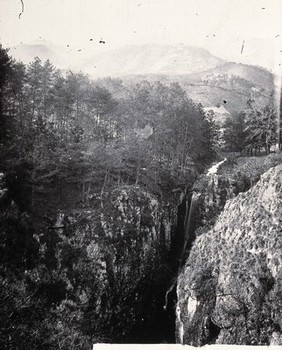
[151, 59]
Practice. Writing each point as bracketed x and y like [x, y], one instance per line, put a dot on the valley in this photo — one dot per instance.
[140, 204]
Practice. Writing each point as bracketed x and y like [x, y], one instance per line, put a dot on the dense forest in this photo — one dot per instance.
[253, 131]
[67, 144]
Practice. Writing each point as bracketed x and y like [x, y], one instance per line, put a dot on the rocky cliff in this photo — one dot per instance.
[229, 291]
[98, 274]
[127, 238]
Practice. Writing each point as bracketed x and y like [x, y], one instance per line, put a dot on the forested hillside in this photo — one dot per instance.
[92, 173]
[69, 126]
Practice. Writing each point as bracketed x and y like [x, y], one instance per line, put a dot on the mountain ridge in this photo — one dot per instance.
[154, 59]
[207, 79]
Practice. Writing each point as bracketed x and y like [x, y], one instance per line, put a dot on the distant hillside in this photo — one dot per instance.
[27, 52]
[236, 100]
[232, 92]
[257, 76]
[152, 59]
[207, 79]
[231, 82]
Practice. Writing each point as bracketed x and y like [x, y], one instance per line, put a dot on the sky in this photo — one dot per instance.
[247, 31]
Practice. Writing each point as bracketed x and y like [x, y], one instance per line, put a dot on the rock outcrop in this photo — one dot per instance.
[229, 291]
[127, 238]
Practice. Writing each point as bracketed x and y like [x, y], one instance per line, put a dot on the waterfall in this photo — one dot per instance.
[187, 225]
[187, 239]
[211, 196]
[188, 232]
[188, 236]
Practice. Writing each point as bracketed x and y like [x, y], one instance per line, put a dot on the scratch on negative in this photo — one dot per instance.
[22, 9]
[242, 48]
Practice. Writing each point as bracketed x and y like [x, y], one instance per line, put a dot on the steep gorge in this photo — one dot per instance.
[130, 240]
[108, 266]
[140, 252]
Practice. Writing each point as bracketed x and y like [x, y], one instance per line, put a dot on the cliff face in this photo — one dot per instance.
[229, 291]
[90, 275]
[224, 181]
[127, 238]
